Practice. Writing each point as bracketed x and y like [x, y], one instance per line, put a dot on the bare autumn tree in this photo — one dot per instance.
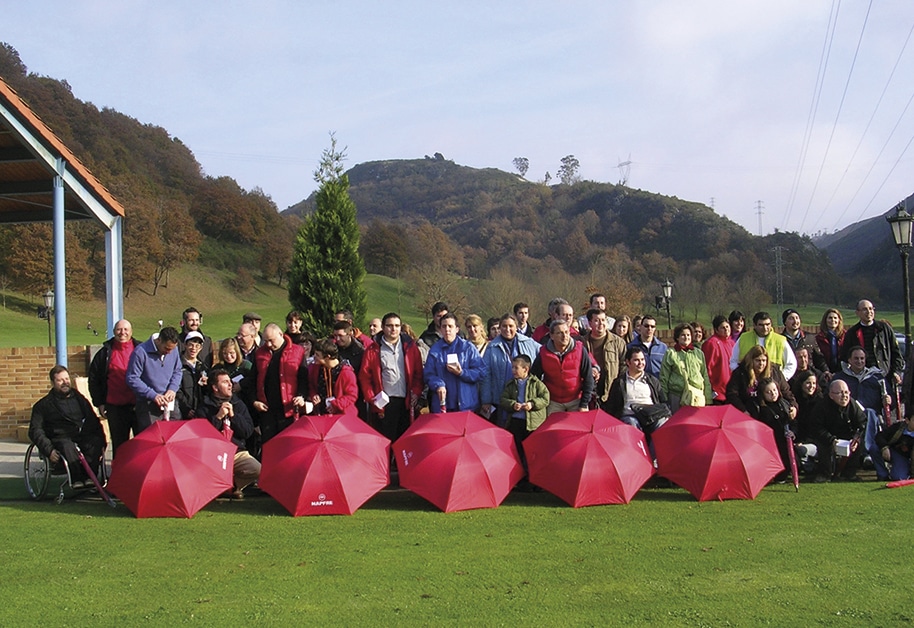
[435, 283]
[178, 240]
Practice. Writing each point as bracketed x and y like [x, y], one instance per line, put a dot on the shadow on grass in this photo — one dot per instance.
[674, 494]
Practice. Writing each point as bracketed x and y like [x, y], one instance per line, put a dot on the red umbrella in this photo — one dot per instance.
[588, 458]
[717, 452]
[458, 461]
[325, 465]
[172, 469]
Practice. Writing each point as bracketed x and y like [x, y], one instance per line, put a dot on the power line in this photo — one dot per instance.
[876, 160]
[837, 114]
[863, 135]
[814, 105]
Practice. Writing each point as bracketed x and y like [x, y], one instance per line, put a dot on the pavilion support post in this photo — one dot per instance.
[60, 267]
[114, 273]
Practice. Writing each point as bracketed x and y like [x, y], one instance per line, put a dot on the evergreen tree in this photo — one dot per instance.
[327, 270]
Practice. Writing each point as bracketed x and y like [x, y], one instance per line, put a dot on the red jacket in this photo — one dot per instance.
[345, 389]
[370, 373]
[293, 356]
[569, 376]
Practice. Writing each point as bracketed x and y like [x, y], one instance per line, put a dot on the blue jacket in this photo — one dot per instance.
[148, 375]
[498, 365]
[462, 391]
[653, 355]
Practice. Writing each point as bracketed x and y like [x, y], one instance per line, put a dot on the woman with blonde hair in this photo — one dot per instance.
[743, 388]
[831, 338]
[477, 333]
[230, 359]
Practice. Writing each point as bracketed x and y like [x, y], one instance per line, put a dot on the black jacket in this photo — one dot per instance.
[49, 422]
[831, 421]
[241, 424]
[190, 393]
[616, 402]
[885, 348]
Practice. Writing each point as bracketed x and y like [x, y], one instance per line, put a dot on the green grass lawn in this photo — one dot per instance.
[829, 555]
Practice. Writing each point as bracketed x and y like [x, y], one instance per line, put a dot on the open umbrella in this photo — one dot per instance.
[717, 452]
[458, 461]
[325, 465]
[588, 458]
[172, 469]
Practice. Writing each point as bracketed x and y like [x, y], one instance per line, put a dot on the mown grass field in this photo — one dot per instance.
[830, 555]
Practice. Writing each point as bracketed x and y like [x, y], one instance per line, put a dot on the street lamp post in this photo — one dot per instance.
[901, 231]
[667, 287]
[48, 310]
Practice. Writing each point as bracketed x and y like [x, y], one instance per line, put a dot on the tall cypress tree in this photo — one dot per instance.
[327, 270]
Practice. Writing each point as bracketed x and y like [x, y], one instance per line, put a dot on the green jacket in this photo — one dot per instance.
[681, 366]
[536, 393]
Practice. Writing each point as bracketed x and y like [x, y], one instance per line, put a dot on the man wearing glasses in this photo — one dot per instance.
[247, 341]
[653, 349]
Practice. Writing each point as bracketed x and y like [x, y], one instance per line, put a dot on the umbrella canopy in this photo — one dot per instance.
[325, 465]
[458, 461]
[717, 452]
[588, 458]
[172, 469]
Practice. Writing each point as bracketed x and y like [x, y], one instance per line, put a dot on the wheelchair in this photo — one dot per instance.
[38, 472]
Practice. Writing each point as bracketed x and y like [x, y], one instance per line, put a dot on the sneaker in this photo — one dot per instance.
[77, 485]
[237, 495]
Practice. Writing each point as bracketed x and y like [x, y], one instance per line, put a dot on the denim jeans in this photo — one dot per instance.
[873, 427]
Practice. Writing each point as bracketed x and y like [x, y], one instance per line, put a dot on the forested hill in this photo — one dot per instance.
[480, 219]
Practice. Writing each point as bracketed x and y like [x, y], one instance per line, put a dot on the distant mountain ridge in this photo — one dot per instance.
[865, 255]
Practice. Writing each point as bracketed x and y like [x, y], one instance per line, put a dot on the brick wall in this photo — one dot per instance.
[24, 380]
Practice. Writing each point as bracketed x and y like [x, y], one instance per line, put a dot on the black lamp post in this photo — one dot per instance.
[901, 231]
[667, 296]
[48, 311]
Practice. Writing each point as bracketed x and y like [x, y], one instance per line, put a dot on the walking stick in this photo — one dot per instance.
[792, 456]
[94, 478]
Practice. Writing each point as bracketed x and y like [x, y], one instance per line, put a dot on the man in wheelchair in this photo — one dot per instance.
[62, 420]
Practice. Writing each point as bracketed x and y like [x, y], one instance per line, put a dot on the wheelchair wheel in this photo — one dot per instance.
[36, 472]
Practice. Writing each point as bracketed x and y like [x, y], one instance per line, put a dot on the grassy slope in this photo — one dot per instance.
[207, 290]
[817, 557]
[204, 288]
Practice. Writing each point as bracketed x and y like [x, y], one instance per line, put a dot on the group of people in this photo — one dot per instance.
[507, 370]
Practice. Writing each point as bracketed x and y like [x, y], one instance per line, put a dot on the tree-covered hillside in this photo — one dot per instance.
[477, 221]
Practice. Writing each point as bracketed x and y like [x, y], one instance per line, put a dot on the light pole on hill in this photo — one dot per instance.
[663, 302]
[901, 231]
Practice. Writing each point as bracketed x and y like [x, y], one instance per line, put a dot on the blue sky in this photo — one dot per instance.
[708, 99]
